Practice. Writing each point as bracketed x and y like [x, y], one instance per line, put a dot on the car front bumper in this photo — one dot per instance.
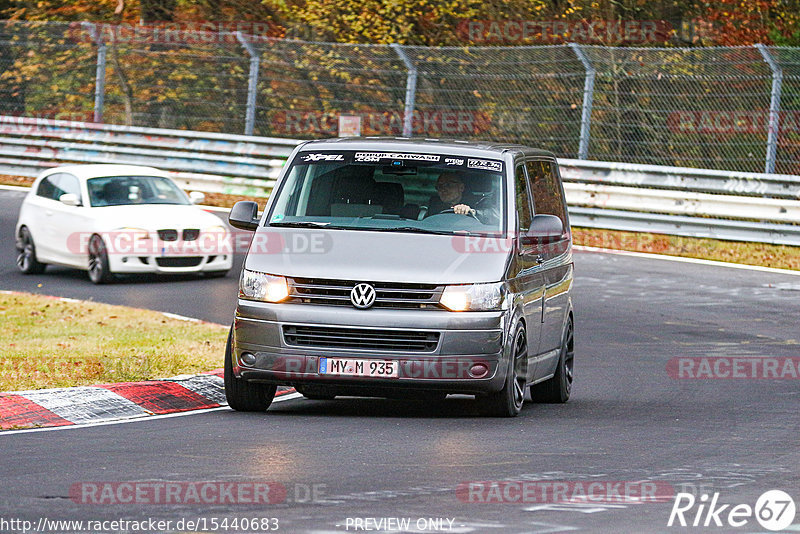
[131, 264]
[464, 340]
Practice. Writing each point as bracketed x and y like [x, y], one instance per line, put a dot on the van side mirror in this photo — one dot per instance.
[70, 199]
[244, 215]
[197, 197]
[544, 229]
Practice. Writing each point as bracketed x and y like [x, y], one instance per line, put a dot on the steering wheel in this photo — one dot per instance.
[470, 214]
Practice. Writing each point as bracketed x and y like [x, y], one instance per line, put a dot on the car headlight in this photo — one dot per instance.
[135, 233]
[475, 297]
[217, 229]
[254, 285]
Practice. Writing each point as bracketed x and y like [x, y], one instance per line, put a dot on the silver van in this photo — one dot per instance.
[403, 267]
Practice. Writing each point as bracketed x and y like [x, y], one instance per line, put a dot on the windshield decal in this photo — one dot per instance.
[322, 157]
[485, 165]
[454, 161]
[378, 156]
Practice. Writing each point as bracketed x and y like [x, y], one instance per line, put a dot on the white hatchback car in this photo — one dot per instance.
[109, 219]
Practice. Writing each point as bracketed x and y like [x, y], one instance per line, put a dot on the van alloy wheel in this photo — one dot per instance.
[508, 401]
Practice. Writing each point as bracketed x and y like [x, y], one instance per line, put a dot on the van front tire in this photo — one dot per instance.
[244, 396]
[508, 401]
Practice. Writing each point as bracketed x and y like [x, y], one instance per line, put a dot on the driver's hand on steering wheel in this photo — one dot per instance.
[463, 209]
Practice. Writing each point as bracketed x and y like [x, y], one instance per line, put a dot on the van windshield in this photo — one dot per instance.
[392, 191]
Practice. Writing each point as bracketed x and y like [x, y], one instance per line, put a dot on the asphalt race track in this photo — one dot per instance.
[629, 420]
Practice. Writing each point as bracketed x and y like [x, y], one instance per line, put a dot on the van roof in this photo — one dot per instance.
[410, 144]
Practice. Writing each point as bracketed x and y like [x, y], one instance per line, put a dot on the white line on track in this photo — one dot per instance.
[285, 397]
[14, 188]
[712, 263]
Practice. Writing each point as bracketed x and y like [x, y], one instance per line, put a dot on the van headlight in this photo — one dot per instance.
[254, 285]
[475, 297]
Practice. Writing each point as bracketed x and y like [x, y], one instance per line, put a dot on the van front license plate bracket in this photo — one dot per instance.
[358, 367]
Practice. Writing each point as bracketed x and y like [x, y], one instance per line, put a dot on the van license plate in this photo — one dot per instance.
[369, 368]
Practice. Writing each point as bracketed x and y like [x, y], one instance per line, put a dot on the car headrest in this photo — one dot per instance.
[389, 194]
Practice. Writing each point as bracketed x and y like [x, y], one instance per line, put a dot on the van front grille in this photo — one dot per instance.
[360, 338]
[388, 294]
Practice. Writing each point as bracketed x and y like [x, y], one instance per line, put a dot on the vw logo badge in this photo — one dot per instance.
[362, 296]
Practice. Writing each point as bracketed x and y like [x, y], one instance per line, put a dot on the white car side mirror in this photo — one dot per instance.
[69, 199]
[197, 197]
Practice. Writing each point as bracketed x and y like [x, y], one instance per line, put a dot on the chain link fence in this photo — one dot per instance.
[733, 108]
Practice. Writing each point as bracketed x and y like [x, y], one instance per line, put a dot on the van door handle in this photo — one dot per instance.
[48, 212]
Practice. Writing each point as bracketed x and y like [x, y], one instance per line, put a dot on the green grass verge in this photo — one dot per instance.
[46, 342]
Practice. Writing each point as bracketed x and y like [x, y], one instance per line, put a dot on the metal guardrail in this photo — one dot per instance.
[673, 200]
[211, 162]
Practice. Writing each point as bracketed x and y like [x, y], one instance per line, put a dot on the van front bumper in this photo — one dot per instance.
[468, 356]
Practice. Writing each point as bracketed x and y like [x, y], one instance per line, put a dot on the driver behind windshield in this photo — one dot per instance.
[451, 196]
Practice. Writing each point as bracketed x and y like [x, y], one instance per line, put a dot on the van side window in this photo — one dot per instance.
[523, 204]
[547, 196]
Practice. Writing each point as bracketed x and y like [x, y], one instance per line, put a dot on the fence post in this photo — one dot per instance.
[588, 97]
[100, 73]
[774, 108]
[411, 90]
[252, 84]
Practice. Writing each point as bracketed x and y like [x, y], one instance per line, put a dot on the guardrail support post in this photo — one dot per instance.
[588, 97]
[252, 84]
[411, 90]
[774, 108]
[100, 73]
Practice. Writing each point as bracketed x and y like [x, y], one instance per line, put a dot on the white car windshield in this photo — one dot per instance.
[125, 190]
[390, 191]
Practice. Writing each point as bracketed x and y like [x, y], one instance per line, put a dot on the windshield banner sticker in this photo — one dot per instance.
[454, 161]
[485, 165]
[378, 156]
[322, 157]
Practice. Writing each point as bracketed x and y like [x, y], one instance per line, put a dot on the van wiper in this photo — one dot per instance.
[412, 229]
[303, 224]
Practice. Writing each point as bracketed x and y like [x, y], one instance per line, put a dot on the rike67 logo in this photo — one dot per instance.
[774, 510]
